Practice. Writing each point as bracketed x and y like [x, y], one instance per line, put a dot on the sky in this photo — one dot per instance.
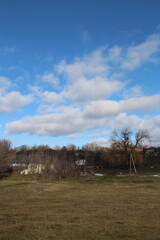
[72, 71]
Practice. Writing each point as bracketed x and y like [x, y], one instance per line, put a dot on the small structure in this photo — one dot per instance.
[34, 168]
[152, 156]
[37, 168]
[80, 162]
[16, 164]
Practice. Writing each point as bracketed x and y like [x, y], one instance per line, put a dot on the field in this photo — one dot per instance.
[90, 208]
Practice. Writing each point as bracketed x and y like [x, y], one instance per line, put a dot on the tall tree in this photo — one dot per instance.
[126, 141]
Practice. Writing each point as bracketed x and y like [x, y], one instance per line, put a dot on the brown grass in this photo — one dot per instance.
[89, 209]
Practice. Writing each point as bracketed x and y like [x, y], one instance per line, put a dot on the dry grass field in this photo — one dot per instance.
[95, 208]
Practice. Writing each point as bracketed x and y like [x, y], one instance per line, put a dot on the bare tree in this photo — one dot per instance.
[126, 141]
[121, 139]
[91, 150]
[6, 155]
[49, 163]
[71, 147]
[141, 137]
[124, 138]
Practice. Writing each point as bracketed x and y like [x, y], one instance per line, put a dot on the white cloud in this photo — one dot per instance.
[103, 142]
[115, 54]
[50, 78]
[105, 108]
[87, 77]
[51, 97]
[90, 65]
[99, 134]
[157, 120]
[5, 83]
[145, 104]
[64, 121]
[84, 79]
[133, 92]
[72, 136]
[79, 98]
[102, 108]
[155, 133]
[134, 56]
[71, 121]
[94, 76]
[47, 99]
[96, 88]
[12, 101]
[123, 120]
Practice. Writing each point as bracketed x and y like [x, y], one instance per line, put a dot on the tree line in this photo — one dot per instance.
[63, 162]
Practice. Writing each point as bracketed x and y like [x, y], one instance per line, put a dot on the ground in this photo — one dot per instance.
[88, 208]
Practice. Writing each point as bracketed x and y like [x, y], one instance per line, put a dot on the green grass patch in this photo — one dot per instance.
[12, 183]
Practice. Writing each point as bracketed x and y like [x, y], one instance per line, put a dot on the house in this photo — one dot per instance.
[152, 156]
[80, 160]
[152, 151]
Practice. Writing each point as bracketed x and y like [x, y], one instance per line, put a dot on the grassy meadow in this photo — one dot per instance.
[89, 208]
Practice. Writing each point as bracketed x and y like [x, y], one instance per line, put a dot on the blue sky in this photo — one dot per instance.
[71, 71]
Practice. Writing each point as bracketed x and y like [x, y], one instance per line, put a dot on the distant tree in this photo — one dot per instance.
[6, 155]
[56, 147]
[43, 147]
[23, 148]
[71, 147]
[91, 150]
[91, 147]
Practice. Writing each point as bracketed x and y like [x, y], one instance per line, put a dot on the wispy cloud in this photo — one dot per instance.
[73, 136]
[49, 77]
[86, 37]
[5, 84]
[136, 55]
[133, 92]
[103, 142]
[9, 50]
